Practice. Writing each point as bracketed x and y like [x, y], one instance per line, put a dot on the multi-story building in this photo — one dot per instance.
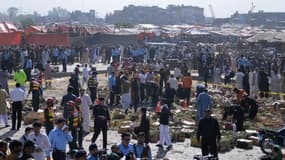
[156, 15]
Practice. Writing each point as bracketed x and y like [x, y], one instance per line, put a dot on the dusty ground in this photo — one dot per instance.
[181, 151]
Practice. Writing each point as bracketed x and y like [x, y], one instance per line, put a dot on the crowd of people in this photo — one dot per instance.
[138, 78]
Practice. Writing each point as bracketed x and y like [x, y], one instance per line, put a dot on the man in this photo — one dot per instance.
[74, 122]
[253, 82]
[17, 97]
[209, 130]
[203, 102]
[74, 82]
[169, 94]
[92, 86]
[80, 155]
[28, 67]
[250, 105]
[263, 83]
[142, 77]
[49, 116]
[3, 106]
[187, 84]
[238, 115]
[126, 96]
[275, 84]
[125, 146]
[112, 87]
[164, 137]
[25, 136]
[4, 80]
[142, 149]
[15, 148]
[68, 97]
[36, 90]
[85, 75]
[28, 149]
[144, 125]
[59, 137]
[239, 94]
[173, 82]
[43, 147]
[20, 77]
[239, 79]
[86, 102]
[3, 150]
[93, 152]
[101, 121]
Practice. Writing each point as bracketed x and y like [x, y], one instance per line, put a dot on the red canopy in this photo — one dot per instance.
[51, 39]
[10, 39]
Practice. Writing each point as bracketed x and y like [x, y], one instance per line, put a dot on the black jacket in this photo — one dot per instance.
[100, 110]
[164, 116]
[209, 128]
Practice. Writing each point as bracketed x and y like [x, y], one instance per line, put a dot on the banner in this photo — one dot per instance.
[10, 39]
[49, 39]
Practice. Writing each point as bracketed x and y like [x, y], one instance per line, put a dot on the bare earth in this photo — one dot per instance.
[181, 151]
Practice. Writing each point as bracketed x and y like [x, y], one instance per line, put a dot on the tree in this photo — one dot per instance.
[25, 20]
[12, 13]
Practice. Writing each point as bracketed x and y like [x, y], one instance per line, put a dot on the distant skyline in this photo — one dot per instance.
[222, 8]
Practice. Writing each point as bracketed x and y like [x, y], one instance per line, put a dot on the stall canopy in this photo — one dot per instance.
[52, 39]
[10, 39]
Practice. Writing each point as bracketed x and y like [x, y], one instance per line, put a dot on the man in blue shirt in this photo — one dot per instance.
[112, 87]
[59, 137]
[142, 150]
[28, 67]
[126, 147]
[203, 102]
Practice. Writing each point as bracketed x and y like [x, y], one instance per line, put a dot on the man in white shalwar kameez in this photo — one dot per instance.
[253, 82]
[239, 79]
[85, 109]
[275, 84]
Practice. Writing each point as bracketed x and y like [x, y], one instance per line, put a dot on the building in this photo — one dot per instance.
[84, 17]
[156, 15]
[261, 18]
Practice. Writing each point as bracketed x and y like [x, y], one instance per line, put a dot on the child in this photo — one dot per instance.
[24, 137]
[93, 152]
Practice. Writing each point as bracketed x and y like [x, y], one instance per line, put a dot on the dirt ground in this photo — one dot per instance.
[181, 151]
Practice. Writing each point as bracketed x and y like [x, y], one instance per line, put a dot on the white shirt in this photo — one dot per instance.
[85, 72]
[239, 80]
[17, 95]
[173, 83]
[142, 78]
[177, 72]
[42, 142]
[85, 104]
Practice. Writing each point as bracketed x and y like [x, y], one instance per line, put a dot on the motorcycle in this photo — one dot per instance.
[268, 138]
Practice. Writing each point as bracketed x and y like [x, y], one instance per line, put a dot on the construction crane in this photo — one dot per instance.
[212, 11]
[252, 8]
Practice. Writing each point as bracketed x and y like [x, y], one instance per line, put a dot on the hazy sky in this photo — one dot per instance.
[222, 8]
